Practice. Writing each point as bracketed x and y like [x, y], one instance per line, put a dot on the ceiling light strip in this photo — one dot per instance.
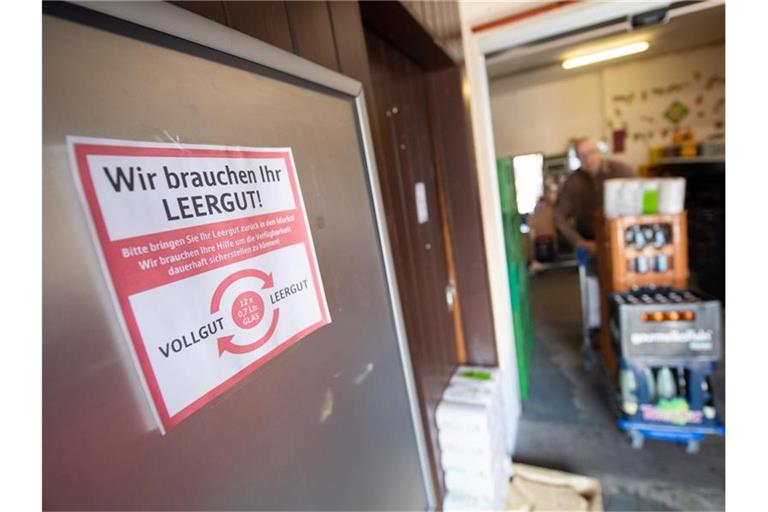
[613, 53]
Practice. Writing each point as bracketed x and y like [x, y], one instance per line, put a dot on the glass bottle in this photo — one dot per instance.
[665, 383]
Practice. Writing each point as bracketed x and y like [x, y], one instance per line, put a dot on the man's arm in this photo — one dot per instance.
[621, 170]
[564, 209]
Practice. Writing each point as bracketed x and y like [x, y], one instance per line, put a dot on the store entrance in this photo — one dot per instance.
[660, 112]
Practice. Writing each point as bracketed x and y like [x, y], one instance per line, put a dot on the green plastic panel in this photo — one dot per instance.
[517, 269]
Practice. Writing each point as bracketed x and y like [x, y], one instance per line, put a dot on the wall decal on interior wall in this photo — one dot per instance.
[676, 112]
[624, 98]
[701, 114]
[664, 132]
[719, 124]
[618, 139]
[617, 112]
[658, 91]
[697, 75]
[719, 105]
[699, 99]
[648, 119]
[714, 80]
[644, 95]
[675, 87]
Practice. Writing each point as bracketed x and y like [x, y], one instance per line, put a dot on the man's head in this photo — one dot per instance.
[589, 155]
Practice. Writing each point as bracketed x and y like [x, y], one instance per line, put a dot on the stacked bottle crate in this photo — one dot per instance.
[669, 341]
[471, 433]
[648, 250]
[662, 340]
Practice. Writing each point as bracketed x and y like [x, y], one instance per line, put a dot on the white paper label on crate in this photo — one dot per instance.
[209, 259]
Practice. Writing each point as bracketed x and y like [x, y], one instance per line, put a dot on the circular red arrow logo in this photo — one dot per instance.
[247, 311]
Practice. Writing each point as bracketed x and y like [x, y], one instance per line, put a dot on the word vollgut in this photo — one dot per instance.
[193, 336]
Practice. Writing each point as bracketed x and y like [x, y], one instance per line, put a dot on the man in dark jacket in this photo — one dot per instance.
[582, 193]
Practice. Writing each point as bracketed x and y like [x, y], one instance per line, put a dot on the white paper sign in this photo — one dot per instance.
[209, 257]
[422, 208]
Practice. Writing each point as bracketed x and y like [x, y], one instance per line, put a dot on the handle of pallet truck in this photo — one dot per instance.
[581, 255]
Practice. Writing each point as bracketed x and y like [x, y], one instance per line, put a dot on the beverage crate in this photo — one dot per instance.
[661, 261]
[618, 254]
[666, 326]
[668, 341]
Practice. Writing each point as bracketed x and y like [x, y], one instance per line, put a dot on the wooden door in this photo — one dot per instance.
[416, 232]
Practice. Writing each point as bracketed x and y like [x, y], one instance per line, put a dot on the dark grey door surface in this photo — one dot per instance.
[327, 424]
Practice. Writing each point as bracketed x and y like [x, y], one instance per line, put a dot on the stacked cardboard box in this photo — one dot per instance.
[471, 432]
[630, 197]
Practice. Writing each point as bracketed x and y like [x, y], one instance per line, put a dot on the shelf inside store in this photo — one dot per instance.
[667, 160]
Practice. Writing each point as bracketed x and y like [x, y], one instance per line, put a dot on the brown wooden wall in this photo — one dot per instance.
[454, 156]
[303, 28]
[462, 203]
[418, 249]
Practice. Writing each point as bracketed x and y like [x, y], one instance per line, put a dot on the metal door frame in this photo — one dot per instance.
[175, 21]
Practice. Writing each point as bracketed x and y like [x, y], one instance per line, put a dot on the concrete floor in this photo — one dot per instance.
[567, 422]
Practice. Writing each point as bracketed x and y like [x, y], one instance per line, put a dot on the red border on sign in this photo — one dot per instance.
[81, 152]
